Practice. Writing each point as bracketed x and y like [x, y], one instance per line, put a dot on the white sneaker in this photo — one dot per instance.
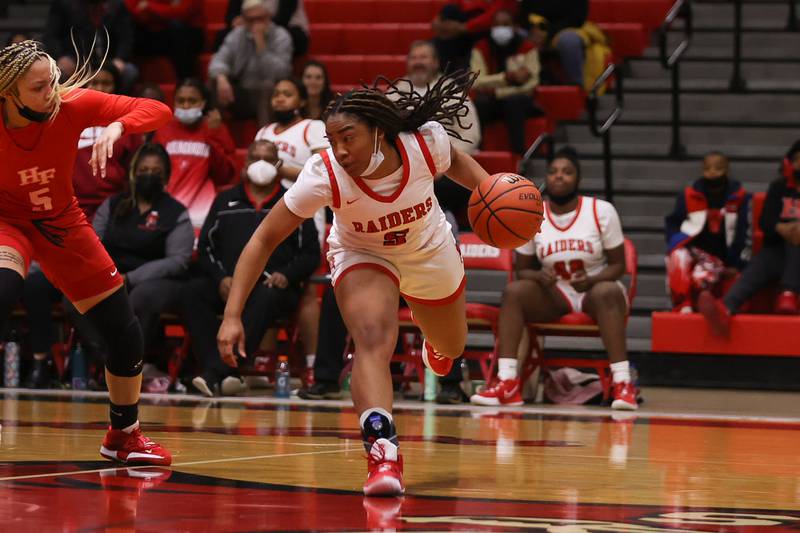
[232, 386]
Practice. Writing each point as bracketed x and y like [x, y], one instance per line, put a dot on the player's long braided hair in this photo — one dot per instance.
[396, 110]
[16, 60]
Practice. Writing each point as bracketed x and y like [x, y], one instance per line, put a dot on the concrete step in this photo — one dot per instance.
[759, 15]
[718, 70]
[16, 25]
[650, 243]
[651, 284]
[34, 11]
[652, 149]
[742, 109]
[695, 51]
[751, 40]
[711, 85]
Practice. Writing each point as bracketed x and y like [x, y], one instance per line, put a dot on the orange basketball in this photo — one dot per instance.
[506, 210]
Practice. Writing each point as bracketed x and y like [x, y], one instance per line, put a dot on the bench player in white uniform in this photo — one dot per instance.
[389, 238]
[573, 265]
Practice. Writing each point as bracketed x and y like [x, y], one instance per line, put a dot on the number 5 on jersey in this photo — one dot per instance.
[395, 238]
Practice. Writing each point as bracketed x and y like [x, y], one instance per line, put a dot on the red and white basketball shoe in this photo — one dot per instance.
[439, 364]
[385, 470]
[504, 392]
[624, 394]
[133, 449]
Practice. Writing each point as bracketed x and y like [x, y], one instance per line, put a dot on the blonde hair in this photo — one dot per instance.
[17, 59]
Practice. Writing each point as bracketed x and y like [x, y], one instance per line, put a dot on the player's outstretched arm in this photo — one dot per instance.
[464, 170]
[273, 230]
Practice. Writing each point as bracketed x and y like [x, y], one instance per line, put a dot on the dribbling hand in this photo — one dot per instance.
[103, 148]
[231, 333]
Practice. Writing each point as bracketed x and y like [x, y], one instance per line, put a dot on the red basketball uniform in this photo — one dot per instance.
[39, 216]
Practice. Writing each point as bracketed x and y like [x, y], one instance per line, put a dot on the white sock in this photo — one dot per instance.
[507, 368]
[310, 360]
[378, 410]
[621, 371]
[130, 428]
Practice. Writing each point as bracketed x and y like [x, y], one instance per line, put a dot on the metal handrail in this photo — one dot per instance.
[738, 84]
[672, 62]
[604, 130]
[791, 24]
[546, 140]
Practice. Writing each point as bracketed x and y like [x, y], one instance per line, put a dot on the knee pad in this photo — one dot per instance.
[116, 322]
[11, 285]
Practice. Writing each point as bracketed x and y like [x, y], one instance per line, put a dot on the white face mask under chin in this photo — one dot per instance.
[375, 159]
[261, 172]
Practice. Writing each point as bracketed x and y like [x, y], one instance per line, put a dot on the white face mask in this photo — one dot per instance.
[502, 35]
[262, 173]
[188, 116]
[375, 159]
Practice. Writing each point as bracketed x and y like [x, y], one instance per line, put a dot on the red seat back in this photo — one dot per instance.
[758, 233]
[478, 255]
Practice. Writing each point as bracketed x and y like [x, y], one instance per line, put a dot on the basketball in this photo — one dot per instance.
[506, 210]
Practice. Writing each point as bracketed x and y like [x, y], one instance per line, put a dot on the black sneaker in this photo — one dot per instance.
[451, 394]
[40, 376]
[321, 391]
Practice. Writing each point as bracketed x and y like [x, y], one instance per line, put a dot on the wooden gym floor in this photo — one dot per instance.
[689, 460]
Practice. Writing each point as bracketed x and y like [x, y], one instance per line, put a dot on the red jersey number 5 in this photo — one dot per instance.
[394, 238]
[40, 199]
[576, 265]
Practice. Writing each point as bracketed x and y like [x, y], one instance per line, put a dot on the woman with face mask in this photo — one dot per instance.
[150, 238]
[509, 72]
[200, 148]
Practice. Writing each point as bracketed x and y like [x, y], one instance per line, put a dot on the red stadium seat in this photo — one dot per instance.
[496, 162]
[211, 31]
[495, 135]
[561, 102]
[215, 11]
[357, 38]
[169, 93]
[578, 325]
[627, 39]
[202, 65]
[243, 132]
[649, 13]
[156, 69]
[368, 11]
[352, 70]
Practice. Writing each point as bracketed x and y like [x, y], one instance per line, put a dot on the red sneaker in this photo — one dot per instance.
[715, 312]
[439, 364]
[786, 303]
[624, 394]
[504, 392]
[385, 470]
[133, 449]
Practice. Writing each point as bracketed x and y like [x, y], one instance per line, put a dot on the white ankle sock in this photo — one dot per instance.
[130, 428]
[378, 410]
[621, 371]
[310, 360]
[507, 368]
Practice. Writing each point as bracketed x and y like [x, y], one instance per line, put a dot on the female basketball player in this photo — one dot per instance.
[389, 238]
[41, 123]
[573, 265]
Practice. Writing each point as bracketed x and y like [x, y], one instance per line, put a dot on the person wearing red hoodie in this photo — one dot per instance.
[172, 28]
[200, 148]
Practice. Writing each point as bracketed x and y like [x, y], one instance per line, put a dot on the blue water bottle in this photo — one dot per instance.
[282, 383]
[79, 367]
[11, 362]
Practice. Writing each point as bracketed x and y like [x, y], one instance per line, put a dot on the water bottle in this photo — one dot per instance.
[11, 362]
[431, 383]
[79, 366]
[282, 385]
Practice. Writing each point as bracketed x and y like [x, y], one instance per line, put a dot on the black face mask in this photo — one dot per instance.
[284, 117]
[148, 186]
[563, 199]
[29, 114]
[717, 185]
[797, 175]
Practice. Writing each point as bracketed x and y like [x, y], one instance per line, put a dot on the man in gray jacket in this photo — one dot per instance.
[244, 69]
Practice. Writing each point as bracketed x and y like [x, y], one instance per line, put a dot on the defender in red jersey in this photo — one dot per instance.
[40, 219]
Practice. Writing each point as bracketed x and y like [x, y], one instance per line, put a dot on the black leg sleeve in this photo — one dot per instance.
[329, 362]
[11, 285]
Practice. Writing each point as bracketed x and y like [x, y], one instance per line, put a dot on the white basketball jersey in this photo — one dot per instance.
[296, 144]
[576, 241]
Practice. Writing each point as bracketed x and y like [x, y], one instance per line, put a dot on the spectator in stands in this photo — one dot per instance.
[172, 28]
[555, 25]
[509, 72]
[779, 258]
[297, 139]
[460, 24]
[200, 148]
[574, 264]
[153, 91]
[232, 220]
[149, 236]
[318, 88]
[38, 298]
[289, 14]
[329, 360]
[15, 38]
[86, 21]
[252, 57]
[707, 234]
[90, 189]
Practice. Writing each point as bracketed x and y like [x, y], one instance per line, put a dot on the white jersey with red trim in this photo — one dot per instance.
[576, 240]
[297, 143]
[396, 215]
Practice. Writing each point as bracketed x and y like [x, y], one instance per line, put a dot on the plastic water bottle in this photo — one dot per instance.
[11, 362]
[282, 385]
[431, 384]
[79, 366]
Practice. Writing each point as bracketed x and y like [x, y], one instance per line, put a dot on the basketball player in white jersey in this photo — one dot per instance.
[389, 238]
[573, 265]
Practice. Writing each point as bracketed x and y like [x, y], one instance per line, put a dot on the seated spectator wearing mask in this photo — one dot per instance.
[200, 148]
[707, 235]
[509, 72]
[252, 57]
[234, 216]
[150, 238]
[779, 258]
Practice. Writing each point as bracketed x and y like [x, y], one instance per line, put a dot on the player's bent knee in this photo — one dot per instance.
[116, 322]
[608, 293]
[517, 291]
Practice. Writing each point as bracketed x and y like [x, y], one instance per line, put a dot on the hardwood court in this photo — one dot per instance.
[688, 461]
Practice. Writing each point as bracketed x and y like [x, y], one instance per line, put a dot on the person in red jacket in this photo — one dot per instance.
[173, 28]
[39, 216]
[200, 148]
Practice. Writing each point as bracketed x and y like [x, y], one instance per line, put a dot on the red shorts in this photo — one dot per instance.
[68, 250]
